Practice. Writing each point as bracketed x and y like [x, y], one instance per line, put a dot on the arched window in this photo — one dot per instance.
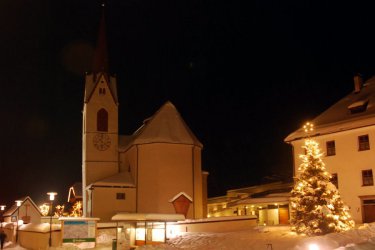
[102, 120]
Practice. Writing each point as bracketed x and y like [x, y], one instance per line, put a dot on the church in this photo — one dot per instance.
[156, 170]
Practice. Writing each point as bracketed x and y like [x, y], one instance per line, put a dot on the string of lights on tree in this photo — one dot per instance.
[316, 205]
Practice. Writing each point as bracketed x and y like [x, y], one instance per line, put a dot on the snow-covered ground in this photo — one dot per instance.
[259, 238]
[275, 238]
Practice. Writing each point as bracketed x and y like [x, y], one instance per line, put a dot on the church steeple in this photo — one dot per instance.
[100, 66]
[100, 63]
[100, 122]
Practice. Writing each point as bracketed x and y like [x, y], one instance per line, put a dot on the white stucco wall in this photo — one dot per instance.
[348, 163]
[164, 170]
[106, 204]
[98, 164]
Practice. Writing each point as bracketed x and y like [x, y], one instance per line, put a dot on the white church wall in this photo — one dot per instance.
[164, 170]
[107, 204]
[198, 182]
[129, 159]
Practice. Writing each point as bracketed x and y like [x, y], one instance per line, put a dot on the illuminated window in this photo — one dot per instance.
[363, 143]
[331, 148]
[367, 178]
[335, 180]
[120, 196]
[102, 120]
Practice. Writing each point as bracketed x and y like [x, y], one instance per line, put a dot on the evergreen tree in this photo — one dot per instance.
[317, 208]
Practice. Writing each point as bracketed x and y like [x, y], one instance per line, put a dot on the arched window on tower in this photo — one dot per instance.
[102, 120]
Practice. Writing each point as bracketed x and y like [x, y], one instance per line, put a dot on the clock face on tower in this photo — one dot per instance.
[101, 141]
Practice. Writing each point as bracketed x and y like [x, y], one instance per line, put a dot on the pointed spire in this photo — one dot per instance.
[100, 63]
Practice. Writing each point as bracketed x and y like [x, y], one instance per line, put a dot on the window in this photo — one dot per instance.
[367, 178]
[101, 91]
[331, 148]
[363, 143]
[120, 196]
[102, 120]
[358, 106]
[335, 180]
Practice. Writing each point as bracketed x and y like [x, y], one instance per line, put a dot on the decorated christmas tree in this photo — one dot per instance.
[317, 207]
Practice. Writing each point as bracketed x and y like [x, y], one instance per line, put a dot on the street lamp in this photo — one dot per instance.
[2, 208]
[18, 203]
[51, 199]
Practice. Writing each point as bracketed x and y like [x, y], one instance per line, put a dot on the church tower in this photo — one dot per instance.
[100, 121]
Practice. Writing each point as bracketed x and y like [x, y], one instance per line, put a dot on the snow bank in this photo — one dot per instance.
[271, 237]
[39, 227]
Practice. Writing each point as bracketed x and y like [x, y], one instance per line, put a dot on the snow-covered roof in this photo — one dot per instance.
[122, 179]
[353, 111]
[179, 194]
[78, 219]
[147, 217]
[39, 227]
[219, 219]
[14, 207]
[165, 126]
[266, 200]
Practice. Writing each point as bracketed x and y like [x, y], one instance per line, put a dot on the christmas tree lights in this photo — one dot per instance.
[316, 205]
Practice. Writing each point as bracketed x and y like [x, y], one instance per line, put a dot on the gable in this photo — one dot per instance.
[24, 200]
[93, 84]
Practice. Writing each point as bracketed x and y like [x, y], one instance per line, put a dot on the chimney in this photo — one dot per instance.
[357, 83]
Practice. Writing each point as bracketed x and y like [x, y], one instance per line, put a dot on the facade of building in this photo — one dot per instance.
[346, 134]
[25, 210]
[142, 172]
[268, 202]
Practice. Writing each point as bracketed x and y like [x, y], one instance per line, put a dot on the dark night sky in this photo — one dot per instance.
[243, 74]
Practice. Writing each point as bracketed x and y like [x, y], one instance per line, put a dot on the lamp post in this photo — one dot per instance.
[2, 208]
[18, 203]
[51, 199]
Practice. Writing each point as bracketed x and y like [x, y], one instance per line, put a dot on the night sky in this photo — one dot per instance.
[243, 75]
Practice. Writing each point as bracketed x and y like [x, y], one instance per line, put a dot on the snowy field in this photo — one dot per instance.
[259, 238]
[275, 238]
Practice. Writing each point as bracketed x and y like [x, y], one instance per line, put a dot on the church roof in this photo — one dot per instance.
[100, 63]
[165, 126]
[122, 179]
[100, 66]
[355, 110]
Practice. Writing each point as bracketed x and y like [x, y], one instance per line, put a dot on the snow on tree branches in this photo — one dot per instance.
[317, 208]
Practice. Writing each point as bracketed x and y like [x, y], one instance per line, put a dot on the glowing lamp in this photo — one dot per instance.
[51, 199]
[308, 127]
[2, 207]
[18, 203]
[313, 247]
[52, 195]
